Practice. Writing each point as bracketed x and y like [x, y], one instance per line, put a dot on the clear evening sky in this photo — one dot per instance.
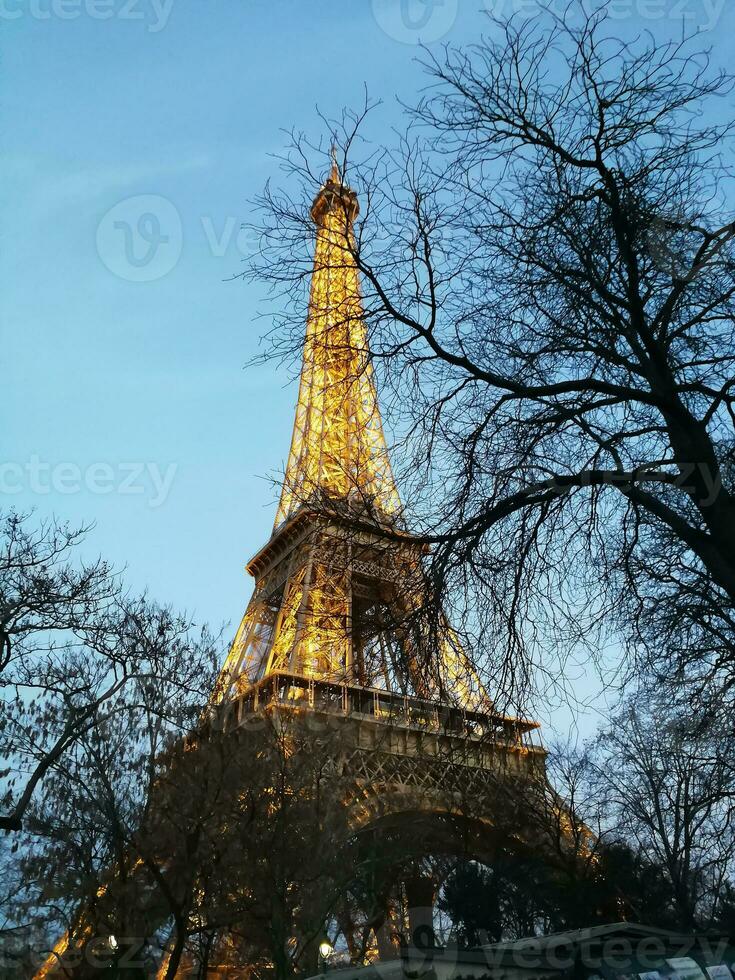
[135, 132]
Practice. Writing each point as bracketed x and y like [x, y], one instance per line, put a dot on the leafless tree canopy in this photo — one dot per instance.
[666, 788]
[79, 651]
[547, 263]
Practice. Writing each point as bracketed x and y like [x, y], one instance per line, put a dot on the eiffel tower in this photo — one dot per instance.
[341, 625]
[337, 623]
[339, 587]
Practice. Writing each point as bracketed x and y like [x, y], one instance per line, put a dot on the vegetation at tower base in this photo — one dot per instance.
[251, 851]
[233, 835]
[263, 815]
[246, 848]
[547, 277]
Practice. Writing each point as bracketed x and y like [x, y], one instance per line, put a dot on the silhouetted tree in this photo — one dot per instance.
[49, 608]
[547, 264]
[666, 784]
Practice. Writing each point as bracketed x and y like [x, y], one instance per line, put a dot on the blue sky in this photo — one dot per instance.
[136, 131]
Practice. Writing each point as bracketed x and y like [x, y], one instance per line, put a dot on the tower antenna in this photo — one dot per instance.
[335, 174]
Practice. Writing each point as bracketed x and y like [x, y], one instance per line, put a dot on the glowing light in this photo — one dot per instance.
[338, 448]
[300, 619]
[325, 949]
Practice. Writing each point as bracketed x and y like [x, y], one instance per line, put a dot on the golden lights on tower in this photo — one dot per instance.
[338, 449]
[330, 578]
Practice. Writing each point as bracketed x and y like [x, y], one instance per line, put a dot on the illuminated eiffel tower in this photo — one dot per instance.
[339, 585]
[341, 619]
[342, 624]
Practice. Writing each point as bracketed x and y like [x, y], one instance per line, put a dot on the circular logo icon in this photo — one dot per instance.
[415, 21]
[669, 248]
[140, 238]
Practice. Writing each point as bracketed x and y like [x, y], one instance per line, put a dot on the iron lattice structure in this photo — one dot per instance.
[340, 591]
[342, 632]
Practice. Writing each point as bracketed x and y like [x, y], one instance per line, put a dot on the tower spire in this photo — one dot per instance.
[335, 176]
[338, 454]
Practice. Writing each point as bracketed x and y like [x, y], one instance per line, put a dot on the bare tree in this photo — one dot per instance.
[547, 262]
[227, 846]
[84, 865]
[666, 785]
[44, 597]
[75, 645]
[287, 855]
